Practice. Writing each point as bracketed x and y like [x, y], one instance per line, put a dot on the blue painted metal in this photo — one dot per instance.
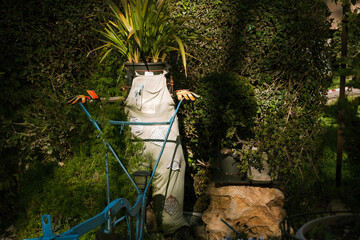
[107, 187]
[90, 224]
[46, 225]
[107, 178]
[94, 122]
[138, 210]
[237, 233]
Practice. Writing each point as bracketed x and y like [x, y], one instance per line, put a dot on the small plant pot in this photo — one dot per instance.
[230, 167]
[143, 69]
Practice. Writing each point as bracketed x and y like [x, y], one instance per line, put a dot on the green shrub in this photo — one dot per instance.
[352, 130]
[281, 47]
[352, 152]
[75, 190]
[44, 61]
[222, 115]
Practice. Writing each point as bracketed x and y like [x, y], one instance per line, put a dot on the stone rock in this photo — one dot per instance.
[256, 211]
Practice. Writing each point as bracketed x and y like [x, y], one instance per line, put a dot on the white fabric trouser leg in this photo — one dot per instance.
[149, 101]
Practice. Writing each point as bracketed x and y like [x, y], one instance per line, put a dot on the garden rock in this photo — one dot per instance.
[255, 211]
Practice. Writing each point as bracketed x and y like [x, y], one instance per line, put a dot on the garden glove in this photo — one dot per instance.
[185, 93]
[93, 95]
[75, 99]
[83, 98]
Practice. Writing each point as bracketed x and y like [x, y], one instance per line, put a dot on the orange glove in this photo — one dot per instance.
[185, 93]
[83, 98]
[75, 99]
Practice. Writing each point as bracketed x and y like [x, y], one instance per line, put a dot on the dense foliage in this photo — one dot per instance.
[224, 112]
[353, 58]
[281, 49]
[352, 146]
[50, 158]
[49, 154]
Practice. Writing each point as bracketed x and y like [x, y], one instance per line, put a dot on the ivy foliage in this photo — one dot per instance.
[352, 133]
[263, 37]
[51, 160]
[281, 49]
[225, 110]
[74, 190]
[353, 57]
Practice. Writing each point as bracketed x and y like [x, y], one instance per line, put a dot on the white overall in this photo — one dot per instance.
[150, 101]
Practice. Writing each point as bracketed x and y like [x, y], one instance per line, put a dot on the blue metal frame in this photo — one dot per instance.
[137, 210]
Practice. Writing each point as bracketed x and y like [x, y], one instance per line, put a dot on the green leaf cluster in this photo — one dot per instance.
[51, 160]
[222, 116]
[75, 190]
[144, 31]
[282, 49]
[352, 60]
[272, 63]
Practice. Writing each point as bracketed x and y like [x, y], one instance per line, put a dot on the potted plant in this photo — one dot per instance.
[344, 226]
[144, 31]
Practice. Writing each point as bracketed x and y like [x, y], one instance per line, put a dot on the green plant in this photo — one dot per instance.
[144, 30]
[222, 117]
[46, 64]
[352, 60]
[281, 47]
[320, 231]
[75, 190]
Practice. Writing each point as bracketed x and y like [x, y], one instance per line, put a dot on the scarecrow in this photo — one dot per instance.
[149, 100]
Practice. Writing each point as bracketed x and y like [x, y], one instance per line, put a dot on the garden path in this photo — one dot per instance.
[334, 93]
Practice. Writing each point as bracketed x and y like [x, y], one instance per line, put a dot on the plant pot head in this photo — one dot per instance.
[144, 31]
